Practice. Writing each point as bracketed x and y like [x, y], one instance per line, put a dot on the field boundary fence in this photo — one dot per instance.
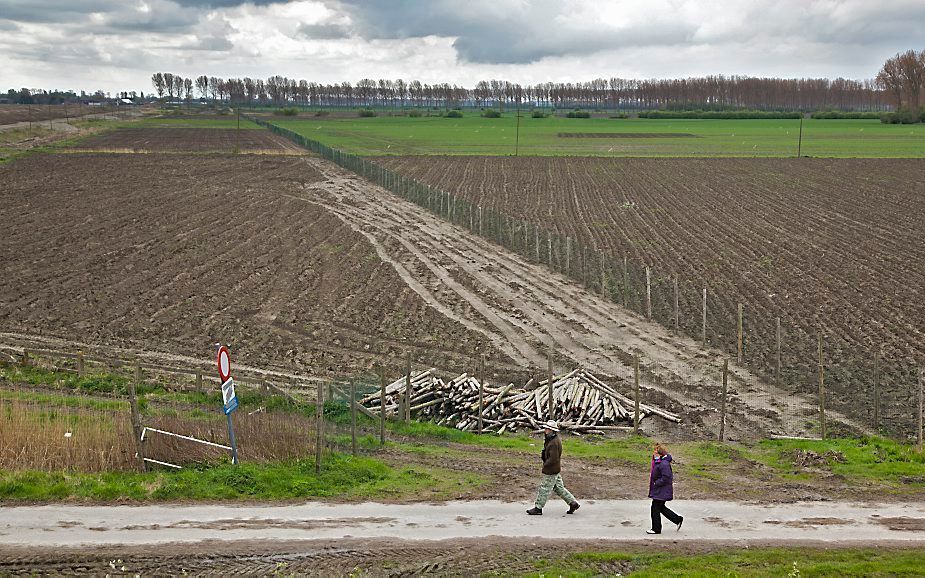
[882, 393]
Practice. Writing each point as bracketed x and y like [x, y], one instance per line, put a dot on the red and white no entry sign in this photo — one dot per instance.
[224, 363]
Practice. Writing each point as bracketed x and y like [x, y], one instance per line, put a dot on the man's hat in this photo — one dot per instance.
[551, 424]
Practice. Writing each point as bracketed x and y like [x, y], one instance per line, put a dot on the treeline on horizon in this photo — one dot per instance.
[715, 93]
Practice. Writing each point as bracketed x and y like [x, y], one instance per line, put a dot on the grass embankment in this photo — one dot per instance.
[79, 405]
[73, 437]
[342, 477]
[750, 562]
[475, 135]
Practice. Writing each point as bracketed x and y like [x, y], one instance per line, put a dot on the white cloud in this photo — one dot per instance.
[117, 44]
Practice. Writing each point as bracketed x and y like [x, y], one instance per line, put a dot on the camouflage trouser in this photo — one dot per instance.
[552, 484]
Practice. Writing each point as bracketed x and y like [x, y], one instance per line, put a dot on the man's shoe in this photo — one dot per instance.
[652, 532]
[679, 523]
[534, 511]
[572, 507]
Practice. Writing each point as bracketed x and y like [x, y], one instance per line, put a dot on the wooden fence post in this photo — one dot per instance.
[136, 415]
[703, 330]
[604, 290]
[722, 403]
[648, 293]
[481, 379]
[877, 392]
[626, 279]
[199, 381]
[319, 427]
[407, 413]
[568, 255]
[551, 405]
[636, 394]
[80, 363]
[353, 417]
[739, 355]
[25, 357]
[821, 386]
[677, 306]
[921, 404]
[382, 406]
[777, 364]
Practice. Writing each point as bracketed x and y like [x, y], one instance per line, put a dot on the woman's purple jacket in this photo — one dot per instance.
[660, 479]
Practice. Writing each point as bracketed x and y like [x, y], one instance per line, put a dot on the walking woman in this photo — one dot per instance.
[661, 490]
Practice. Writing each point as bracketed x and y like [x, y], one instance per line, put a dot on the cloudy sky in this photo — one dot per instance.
[116, 45]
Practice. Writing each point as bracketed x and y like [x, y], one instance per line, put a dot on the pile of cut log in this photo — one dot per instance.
[582, 403]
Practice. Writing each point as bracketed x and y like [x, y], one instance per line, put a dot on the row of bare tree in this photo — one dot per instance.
[903, 77]
[713, 92]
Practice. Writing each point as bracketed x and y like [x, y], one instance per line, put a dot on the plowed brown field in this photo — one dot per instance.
[171, 253]
[149, 139]
[836, 243]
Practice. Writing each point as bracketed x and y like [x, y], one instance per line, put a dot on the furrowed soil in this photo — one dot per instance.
[180, 140]
[172, 254]
[304, 266]
[830, 243]
[16, 113]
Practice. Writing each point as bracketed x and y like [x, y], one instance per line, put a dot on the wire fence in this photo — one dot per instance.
[876, 394]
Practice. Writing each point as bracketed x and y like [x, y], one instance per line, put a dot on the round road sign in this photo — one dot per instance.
[224, 363]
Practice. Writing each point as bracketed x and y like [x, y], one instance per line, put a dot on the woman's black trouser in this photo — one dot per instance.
[658, 509]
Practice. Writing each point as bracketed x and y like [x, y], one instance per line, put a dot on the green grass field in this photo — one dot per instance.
[739, 562]
[475, 135]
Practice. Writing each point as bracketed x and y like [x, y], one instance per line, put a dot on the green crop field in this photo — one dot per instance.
[475, 135]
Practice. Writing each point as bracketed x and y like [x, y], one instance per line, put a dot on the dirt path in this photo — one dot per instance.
[525, 310]
[625, 520]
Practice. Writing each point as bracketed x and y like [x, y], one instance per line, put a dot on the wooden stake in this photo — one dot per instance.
[636, 394]
[626, 279]
[739, 356]
[877, 392]
[549, 385]
[568, 255]
[722, 403]
[677, 306]
[821, 387]
[481, 389]
[353, 417]
[921, 404]
[136, 415]
[604, 290]
[777, 365]
[319, 429]
[703, 331]
[408, 389]
[382, 406]
[25, 357]
[80, 363]
[648, 293]
[199, 381]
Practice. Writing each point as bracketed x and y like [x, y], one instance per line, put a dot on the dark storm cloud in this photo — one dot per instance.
[499, 32]
[505, 33]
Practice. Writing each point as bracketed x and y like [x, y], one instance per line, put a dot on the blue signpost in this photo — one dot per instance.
[229, 399]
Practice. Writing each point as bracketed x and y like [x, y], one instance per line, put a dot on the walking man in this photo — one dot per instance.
[661, 490]
[552, 479]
